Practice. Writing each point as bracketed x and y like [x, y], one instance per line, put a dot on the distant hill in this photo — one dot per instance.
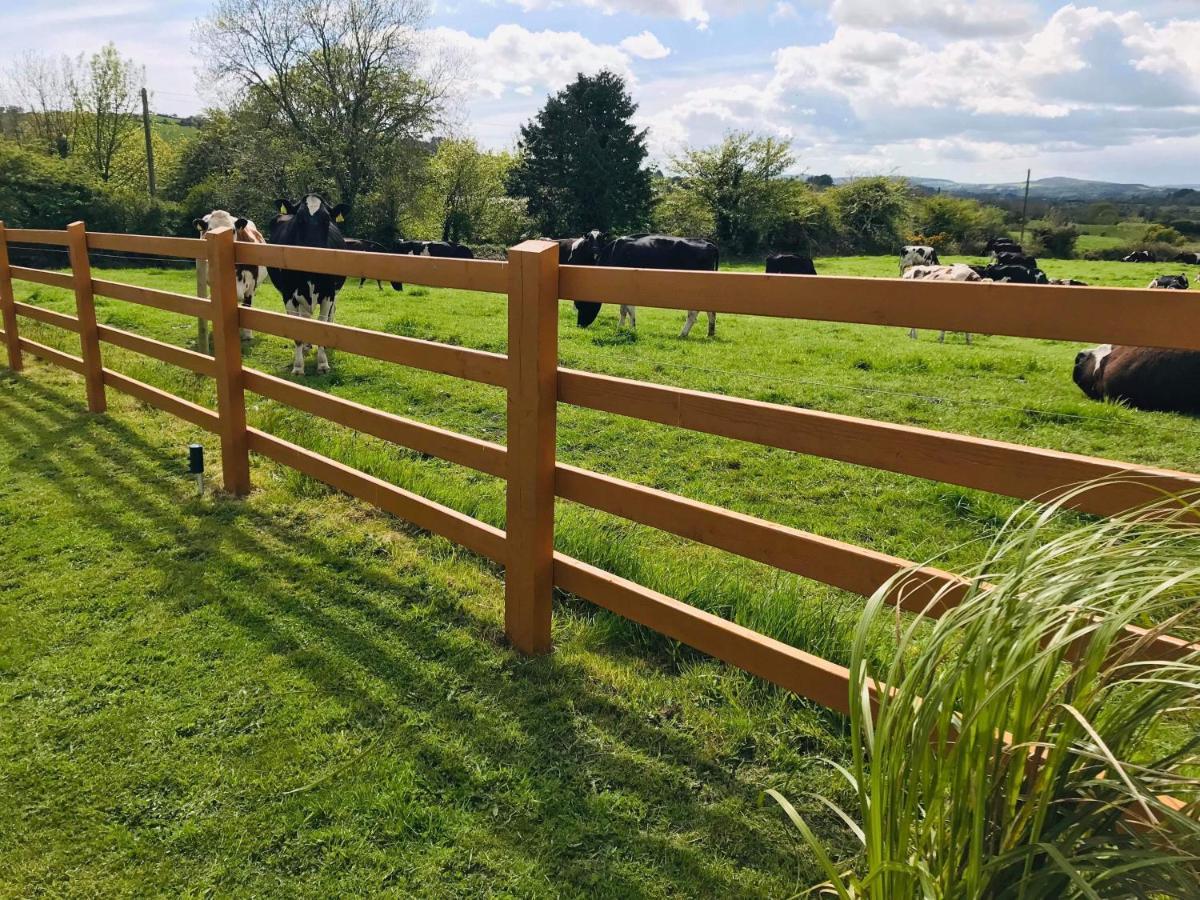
[1051, 189]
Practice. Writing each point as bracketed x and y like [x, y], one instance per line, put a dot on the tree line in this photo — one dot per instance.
[351, 100]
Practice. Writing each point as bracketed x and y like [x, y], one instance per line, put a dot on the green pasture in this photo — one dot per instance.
[296, 695]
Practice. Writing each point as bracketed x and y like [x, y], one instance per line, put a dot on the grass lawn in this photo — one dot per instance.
[296, 694]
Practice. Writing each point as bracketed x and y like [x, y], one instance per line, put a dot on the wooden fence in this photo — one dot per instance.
[535, 386]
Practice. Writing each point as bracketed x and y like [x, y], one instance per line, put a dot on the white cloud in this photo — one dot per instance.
[783, 12]
[957, 17]
[699, 11]
[644, 46]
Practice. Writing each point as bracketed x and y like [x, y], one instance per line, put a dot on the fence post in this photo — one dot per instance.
[227, 346]
[532, 419]
[8, 312]
[85, 309]
[202, 344]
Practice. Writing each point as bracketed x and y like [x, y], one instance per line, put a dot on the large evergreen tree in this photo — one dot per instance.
[581, 160]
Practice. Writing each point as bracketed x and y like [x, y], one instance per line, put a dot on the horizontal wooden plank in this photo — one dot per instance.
[1009, 469]
[184, 304]
[1132, 316]
[41, 276]
[36, 236]
[50, 355]
[168, 353]
[802, 673]
[477, 536]
[852, 568]
[483, 456]
[184, 248]
[461, 362]
[47, 316]
[184, 409]
[463, 274]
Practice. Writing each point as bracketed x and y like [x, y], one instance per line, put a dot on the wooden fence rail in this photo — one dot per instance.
[535, 385]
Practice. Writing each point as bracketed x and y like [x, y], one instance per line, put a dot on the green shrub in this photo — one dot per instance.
[1025, 740]
[1162, 234]
[1054, 241]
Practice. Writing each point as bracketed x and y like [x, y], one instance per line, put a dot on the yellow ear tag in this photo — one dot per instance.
[340, 218]
[282, 210]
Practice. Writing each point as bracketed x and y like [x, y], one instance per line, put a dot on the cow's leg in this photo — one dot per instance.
[712, 324]
[942, 338]
[247, 303]
[912, 333]
[326, 315]
[300, 307]
[968, 334]
[621, 318]
[692, 316]
[632, 317]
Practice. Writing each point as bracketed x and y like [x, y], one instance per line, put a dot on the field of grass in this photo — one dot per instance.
[294, 693]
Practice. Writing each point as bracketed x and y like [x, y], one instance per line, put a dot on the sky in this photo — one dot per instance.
[958, 89]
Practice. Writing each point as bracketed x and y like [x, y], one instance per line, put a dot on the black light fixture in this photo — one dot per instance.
[196, 465]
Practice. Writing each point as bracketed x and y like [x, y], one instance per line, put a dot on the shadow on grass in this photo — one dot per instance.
[398, 646]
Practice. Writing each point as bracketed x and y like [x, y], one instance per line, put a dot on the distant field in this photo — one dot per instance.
[182, 666]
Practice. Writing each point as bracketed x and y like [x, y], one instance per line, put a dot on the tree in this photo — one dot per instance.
[820, 181]
[463, 185]
[956, 220]
[581, 160]
[352, 81]
[683, 212]
[739, 181]
[873, 212]
[105, 91]
[43, 88]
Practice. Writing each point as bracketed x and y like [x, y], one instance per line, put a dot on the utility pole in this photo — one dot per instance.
[1025, 208]
[149, 144]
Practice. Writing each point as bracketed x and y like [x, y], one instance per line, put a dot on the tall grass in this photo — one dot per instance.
[1024, 747]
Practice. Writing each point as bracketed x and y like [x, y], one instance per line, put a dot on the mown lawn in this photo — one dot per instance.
[294, 693]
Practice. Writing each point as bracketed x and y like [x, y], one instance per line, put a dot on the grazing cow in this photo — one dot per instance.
[1188, 259]
[1143, 377]
[308, 223]
[363, 246]
[956, 272]
[248, 277]
[439, 249]
[790, 264]
[1140, 256]
[1169, 283]
[998, 245]
[918, 256]
[644, 251]
[1016, 259]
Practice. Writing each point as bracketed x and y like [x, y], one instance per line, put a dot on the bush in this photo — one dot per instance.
[1039, 654]
[954, 223]
[1163, 234]
[1162, 252]
[873, 213]
[1054, 241]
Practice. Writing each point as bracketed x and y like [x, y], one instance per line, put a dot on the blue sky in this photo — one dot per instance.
[958, 89]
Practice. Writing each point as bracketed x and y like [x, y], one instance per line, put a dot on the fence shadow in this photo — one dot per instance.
[396, 647]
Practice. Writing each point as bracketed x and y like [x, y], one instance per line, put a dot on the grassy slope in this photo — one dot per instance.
[296, 629]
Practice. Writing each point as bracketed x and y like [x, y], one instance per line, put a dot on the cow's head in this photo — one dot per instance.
[593, 249]
[311, 220]
[1089, 370]
[219, 218]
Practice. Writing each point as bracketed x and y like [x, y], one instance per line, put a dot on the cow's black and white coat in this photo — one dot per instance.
[308, 223]
[438, 249]
[248, 277]
[790, 264]
[956, 272]
[641, 251]
[914, 255]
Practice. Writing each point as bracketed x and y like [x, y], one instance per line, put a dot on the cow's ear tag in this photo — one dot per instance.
[282, 210]
[339, 218]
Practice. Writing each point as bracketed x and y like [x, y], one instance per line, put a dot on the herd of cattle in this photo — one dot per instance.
[1144, 377]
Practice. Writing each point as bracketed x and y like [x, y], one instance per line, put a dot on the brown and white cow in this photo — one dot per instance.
[248, 277]
[1144, 377]
[956, 272]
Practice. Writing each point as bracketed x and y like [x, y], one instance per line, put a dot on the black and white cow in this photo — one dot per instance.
[439, 249]
[643, 251]
[248, 277]
[1012, 274]
[1068, 282]
[1169, 283]
[956, 272]
[1016, 259]
[360, 245]
[308, 223]
[998, 245]
[1188, 259]
[914, 255]
[1140, 256]
[790, 264]
[1143, 377]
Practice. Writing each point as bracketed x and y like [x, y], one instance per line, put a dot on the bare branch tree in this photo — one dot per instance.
[351, 78]
[41, 85]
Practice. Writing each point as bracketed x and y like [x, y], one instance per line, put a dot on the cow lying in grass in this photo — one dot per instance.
[1144, 377]
[956, 272]
[248, 277]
